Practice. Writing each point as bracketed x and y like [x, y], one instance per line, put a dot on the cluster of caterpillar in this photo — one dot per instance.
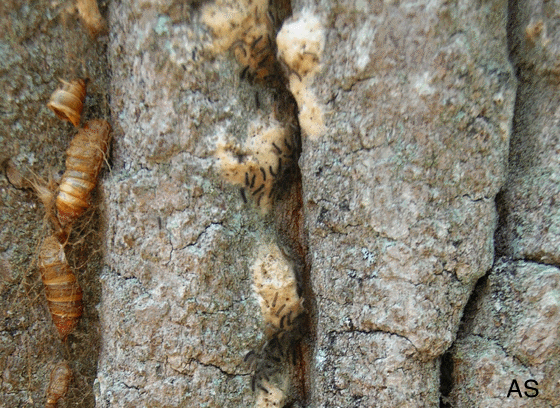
[265, 169]
[61, 375]
[248, 28]
[300, 45]
[265, 164]
[277, 289]
[256, 51]
[269, 379]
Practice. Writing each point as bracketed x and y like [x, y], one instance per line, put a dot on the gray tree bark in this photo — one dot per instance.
[429, 184]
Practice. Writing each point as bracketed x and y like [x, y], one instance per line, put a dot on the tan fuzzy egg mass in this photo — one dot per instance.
[257, 164]
[300, 47]
[275, 285]
[301, 43]
[310, 112]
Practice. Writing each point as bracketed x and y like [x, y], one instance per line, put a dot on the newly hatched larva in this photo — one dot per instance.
[270, 374]
[67, 102]
[58, 384]
[84, 160]
[257, 52]
[248, 28]
[64, 295]
[265, 365]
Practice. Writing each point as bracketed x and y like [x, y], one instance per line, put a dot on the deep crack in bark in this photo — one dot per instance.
[501, 241]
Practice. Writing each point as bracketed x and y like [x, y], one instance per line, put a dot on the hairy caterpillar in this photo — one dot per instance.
[64, 295]
[83, 162]
[58, 384]
[67, 102]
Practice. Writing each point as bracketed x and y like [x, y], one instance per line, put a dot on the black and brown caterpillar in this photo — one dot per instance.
[84, 160]
[67, 102]
[63, 293]
[58, 384]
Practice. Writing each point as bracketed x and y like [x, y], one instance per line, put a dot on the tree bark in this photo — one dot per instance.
[424, 232]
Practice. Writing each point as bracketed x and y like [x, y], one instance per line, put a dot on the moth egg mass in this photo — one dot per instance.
[275, 286]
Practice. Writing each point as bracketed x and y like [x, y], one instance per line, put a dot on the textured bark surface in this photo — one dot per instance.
[511, 333]
[176, 312]
[399, 192]
[436, 168]
[511, 325]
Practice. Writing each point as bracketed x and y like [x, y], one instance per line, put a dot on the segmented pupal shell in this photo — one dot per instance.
[58, 384]
[89, 12]
[64, 295]
[84, 160]
[67, 102]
